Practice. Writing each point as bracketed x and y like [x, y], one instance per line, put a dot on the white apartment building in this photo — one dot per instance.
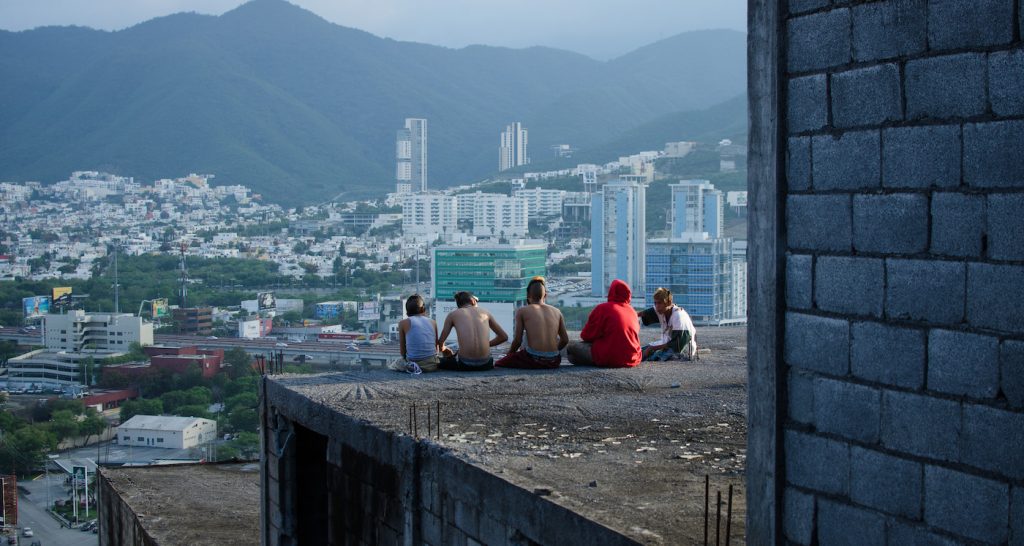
[500, 216]
[679, 149]
[428, 213]
[618, 235]
[466, 203]
[166, 431]
[697, 207]
[411, 155]
[542, 202]
[512, 151]
[77, 331]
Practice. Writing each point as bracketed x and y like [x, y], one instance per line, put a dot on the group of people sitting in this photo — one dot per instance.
[610, 338]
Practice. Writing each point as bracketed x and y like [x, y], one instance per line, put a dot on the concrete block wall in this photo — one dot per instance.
[902, 186]
[388, 488]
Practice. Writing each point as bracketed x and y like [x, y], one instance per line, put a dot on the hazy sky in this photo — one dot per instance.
[600, 28]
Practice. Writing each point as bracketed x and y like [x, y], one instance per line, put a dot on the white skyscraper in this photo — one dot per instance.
[496, 215]
[697, 207]
[411, 156]
[512, 152]
[618, 236]
[429, 213]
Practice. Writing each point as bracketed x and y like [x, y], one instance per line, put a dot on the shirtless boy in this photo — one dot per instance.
[544, 329]
[473, 326]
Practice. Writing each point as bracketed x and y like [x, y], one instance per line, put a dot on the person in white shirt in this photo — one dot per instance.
[678, 335]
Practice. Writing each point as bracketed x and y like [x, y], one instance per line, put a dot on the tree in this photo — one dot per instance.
[64, 425]
[25, 449]
[93, 425]
[244, 420]
[150, 406]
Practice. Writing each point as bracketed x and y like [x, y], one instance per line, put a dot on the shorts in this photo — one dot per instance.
[458, 364]
[522, 359]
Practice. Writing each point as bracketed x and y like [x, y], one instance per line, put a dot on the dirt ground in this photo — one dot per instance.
[629, 448]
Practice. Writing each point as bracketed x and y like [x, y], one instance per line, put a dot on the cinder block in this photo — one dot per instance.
[1006, 82]
[846, 409]
[842, 524]
[885, 483]
[952, 86]
[849, 285]
[887, 354]
[994, 296]
[1017, 517]
[992, 157]
[848, 162]
[817, 463]
[819, 40]
[800, 396]
[817, 343]
[958, 224]
[819, 222]
[903, 534]
[807, 104]
[802, 6]
[962, 363]
[866, 96]
[798, 164]
[966, 505]
[492, 531]
[921, 425]
[883, 30]
[798, 516]
[467, 518]
[954, 24]
[994, 440]
[928, 290]
[921, 157]
[1011, 372]
[431, 528]
[1006, 226]
[892, 224]
[799, 281]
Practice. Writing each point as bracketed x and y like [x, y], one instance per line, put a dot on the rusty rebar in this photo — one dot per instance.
[728, 518]
[707, 493]
[718, 516]
[438, 419]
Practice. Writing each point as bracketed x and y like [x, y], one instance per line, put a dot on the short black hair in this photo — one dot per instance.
[463, 298]
[414, 305]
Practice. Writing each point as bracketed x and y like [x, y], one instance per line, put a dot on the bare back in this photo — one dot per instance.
[473, 327]
[544, 327]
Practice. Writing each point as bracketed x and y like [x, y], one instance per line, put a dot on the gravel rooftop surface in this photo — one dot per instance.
[629, 448]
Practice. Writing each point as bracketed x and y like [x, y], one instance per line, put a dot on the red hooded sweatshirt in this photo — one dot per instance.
[614, 330]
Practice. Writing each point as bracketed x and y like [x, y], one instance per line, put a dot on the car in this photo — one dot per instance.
[27, 532]
[12, 539]
[212, 337]
[37, 543]
[280, 344]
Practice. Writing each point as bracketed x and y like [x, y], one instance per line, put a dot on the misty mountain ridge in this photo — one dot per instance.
[273, 96]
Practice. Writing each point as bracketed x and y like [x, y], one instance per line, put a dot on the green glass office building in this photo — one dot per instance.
[493, 273]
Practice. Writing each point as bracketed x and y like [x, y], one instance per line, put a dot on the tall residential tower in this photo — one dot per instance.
[411, 156]
[512, 152]
[618, 236]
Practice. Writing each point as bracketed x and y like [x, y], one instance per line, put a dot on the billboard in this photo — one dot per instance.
[265, 301]
[249, 329]
[61, 295]
[160, 308]
[35, 306]
[369, 311]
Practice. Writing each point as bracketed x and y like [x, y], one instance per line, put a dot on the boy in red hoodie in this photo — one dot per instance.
[611, 336]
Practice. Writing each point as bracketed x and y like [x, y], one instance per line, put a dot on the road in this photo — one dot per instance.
[47, 530]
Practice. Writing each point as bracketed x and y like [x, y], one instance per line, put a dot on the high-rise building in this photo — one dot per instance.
[429, 213]
[496, 274]
[411, 156]
[542, 202]
[618, 236]
[705, 271]
[501, 216]
[697, 207]
[512, 152]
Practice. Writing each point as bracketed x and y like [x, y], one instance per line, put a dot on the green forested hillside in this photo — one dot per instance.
[272, 96]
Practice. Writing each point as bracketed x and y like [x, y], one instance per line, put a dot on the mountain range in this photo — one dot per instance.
[301, 109]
